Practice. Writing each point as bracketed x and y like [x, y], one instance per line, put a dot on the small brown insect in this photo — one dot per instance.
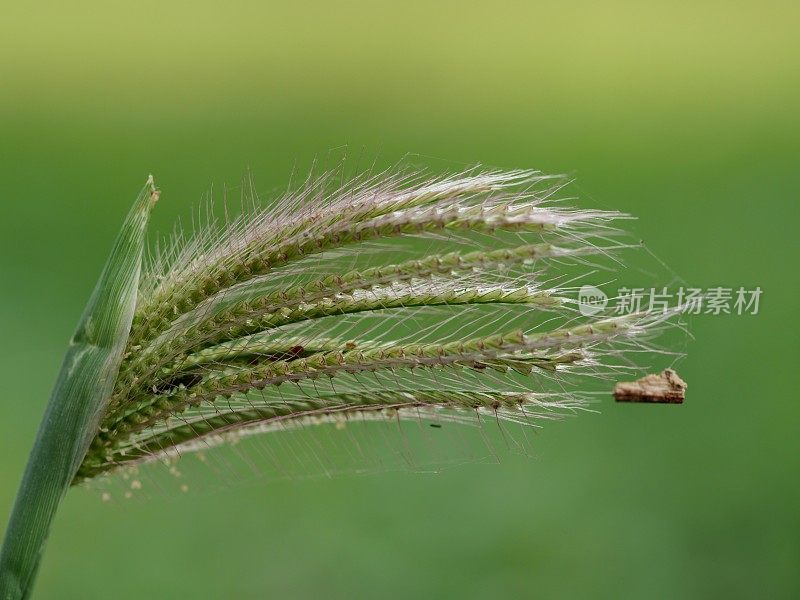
[664, 388]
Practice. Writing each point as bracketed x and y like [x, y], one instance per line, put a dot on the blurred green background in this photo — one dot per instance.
[685, 114]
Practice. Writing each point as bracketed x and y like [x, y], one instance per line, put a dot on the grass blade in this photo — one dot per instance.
[83, 386]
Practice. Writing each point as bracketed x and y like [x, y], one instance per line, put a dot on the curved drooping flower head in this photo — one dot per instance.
[393, 295]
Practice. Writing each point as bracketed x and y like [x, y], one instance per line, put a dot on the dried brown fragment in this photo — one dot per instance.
[664, 388]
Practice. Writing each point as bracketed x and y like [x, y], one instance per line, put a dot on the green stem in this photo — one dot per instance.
[71, 419]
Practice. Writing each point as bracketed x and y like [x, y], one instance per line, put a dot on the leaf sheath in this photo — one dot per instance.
[84, 383]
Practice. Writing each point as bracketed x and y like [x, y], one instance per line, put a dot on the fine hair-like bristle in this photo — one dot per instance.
[388, 293]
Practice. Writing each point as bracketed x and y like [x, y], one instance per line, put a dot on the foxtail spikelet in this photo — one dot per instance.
[388, 293]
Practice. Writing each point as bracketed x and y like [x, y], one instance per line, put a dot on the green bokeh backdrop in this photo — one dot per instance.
[685, 114]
